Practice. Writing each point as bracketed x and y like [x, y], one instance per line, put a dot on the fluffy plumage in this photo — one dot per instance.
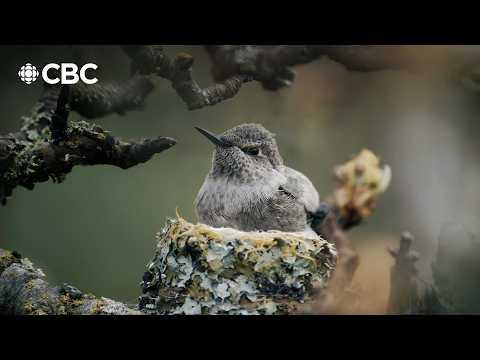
[250, 189]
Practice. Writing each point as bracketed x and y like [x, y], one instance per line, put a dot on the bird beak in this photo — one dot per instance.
[213, 138]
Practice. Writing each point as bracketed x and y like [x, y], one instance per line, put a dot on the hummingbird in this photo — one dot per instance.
[249, 188]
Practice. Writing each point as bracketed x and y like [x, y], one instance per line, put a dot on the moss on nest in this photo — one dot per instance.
[198, 269]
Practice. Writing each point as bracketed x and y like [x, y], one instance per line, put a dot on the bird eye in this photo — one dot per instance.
[251, 150]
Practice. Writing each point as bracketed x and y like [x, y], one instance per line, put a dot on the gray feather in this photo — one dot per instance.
[255, 192]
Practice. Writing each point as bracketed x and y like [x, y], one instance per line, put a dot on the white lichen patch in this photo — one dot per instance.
[111, 307]
[198, 269]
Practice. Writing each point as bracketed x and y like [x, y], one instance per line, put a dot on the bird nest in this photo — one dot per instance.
[198, 269]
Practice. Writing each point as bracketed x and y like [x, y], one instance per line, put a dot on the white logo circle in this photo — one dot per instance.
[28, 73]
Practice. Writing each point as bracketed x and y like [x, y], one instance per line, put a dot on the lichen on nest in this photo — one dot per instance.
[198, 269]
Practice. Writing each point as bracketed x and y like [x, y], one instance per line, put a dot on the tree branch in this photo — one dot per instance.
[359, 182]
[404, 295]
[234, 65]
[148, 60]
[271, 65]
[96, 100]
[49, 146]
[24, 291]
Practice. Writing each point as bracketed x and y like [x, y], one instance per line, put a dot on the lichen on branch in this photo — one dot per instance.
[48, 146]
[25, 291]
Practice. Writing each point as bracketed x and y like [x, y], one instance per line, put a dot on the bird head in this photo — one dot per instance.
[244, 151]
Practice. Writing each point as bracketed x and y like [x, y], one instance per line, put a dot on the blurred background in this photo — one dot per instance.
[97, 229]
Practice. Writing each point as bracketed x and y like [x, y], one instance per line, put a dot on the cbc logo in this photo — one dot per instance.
[65, 73]
[28, 73]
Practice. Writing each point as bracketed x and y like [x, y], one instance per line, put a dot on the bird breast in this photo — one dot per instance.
[221, 199]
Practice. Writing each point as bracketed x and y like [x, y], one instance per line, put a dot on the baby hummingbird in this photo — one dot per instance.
[250, 189]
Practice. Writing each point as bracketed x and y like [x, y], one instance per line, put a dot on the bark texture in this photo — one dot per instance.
[25, 291]
[48, 145]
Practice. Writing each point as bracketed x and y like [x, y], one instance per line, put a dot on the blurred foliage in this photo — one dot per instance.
[359, 182]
